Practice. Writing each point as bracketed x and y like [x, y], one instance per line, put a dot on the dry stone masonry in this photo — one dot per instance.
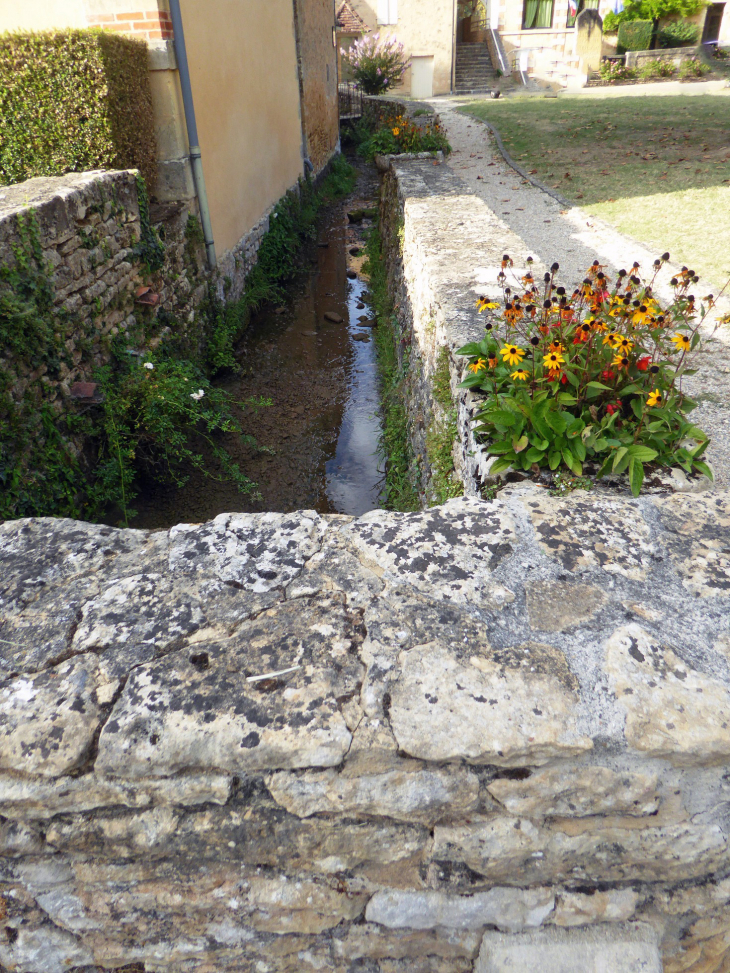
[489, 736]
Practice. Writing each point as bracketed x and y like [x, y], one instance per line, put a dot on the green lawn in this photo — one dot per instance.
[657, 168]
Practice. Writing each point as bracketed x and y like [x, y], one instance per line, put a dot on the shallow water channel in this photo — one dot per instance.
[321, 431]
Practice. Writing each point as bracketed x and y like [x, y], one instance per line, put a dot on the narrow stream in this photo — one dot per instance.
[321, 431]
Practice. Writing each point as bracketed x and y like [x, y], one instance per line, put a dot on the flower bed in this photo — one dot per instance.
[592, 381]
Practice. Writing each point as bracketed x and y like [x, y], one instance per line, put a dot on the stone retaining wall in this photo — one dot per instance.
[88, 228]
[447, 741]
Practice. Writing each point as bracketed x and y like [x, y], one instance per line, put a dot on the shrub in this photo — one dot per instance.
[399, 134]
[616, 71]
[652, 10]
[693, 68]
[377, 65]
[74, 100]
[635, 35]
[593, 378]
[679, 33]
[656, 68]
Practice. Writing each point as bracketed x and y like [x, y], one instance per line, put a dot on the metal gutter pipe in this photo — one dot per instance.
[196, 161]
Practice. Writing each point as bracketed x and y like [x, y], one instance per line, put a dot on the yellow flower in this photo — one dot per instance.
[621, 361]
[520, 375]
[611, 339]
[512, 355]
[396, 131]
[654, 398]
[479, 365]
[556, 347]
[681, 342]
[484, 304]
[623, 345]
[553, 360]
[598, 325]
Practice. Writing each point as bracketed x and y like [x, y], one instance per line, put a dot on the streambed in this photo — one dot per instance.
[321, 432]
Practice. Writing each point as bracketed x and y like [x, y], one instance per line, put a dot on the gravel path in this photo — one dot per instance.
[575, 239]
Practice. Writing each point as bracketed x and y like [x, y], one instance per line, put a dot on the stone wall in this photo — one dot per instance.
[88, 228]
[317, 62]
[488, 736]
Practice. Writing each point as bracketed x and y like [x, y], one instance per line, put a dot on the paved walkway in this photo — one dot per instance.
[575, 239]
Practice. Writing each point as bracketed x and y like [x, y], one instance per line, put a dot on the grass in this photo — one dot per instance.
[442, 432]
[656, 167]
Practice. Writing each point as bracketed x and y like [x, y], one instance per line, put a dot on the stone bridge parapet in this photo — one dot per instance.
[435, 741]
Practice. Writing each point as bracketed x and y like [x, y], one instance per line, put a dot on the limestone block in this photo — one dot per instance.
[517, 851]
[696, 534]
[336, 568]
[510, 910]
[577, 909]
[600, 532]
[672, 711]
[283, 905]
[256, 552]
[413, 793]
[576, 791]
[611, 949]
[48, 721]
[554, 606]
[448, 552]
[515, 706]
[43, 799]
[371, 941]
[44, 948]
[196, 711]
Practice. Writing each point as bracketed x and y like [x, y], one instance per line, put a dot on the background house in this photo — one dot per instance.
[264, 81]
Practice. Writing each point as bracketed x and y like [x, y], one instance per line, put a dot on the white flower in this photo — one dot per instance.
[197, 395]
[148, 365]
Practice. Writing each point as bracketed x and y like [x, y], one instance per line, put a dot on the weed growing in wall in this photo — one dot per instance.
[401, 474]
[441, 435]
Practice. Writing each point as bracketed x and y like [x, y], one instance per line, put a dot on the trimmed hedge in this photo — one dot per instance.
[74, 100]
[635, 35]
[679, 33]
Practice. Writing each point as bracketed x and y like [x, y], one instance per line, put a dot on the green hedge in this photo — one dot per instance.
[635, 35]
[679, 33]
[74, 100]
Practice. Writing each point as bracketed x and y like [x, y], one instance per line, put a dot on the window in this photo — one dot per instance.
[387, 11]
[575, 7]
[537, 13]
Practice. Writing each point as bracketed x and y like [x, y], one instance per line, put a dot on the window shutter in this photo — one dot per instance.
[393, 11]
[382, 11]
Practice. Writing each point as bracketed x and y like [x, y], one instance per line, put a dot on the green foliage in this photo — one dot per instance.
[291, 223]
[652, 10]
[162, 418]
[678, 33]
[395, 447]
[693, 67]
[376, 64]
[72, 101]
[398, 134]
[635, 35]
[149, 248]
[595, 378]
[616, 71]
[442, 432]
[656, 68]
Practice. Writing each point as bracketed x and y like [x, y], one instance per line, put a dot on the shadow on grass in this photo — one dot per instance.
[596, 151]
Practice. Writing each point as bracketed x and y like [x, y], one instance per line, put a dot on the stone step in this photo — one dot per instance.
[620, 948]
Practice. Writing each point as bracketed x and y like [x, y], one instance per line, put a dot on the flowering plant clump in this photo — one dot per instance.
[612, 71]
[590, 378]
[377, 65]
[400, 134]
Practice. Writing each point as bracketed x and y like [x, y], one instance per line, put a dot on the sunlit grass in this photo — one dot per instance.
[658, 168]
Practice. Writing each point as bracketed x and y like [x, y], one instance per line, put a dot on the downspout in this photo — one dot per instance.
[195, 158]
[454, 25]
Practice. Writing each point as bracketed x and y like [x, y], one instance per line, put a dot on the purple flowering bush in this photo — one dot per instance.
[377, 65]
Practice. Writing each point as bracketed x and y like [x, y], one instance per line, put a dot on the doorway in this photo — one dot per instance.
[713, 20]
[422, 76]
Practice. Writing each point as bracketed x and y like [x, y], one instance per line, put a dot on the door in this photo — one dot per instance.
[422, 76]
[711, 33]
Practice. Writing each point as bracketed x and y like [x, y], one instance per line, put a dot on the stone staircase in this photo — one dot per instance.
[475, 73]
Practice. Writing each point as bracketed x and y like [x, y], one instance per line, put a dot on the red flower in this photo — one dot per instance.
[643, 363]
[579, 337]
[613, 407]
[607, 375]
[563, 379]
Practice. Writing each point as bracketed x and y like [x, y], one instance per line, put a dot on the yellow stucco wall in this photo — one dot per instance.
[41, 14]
[243, 69]
[422, 33]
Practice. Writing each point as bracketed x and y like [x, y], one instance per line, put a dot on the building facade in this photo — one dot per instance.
[264, 83]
